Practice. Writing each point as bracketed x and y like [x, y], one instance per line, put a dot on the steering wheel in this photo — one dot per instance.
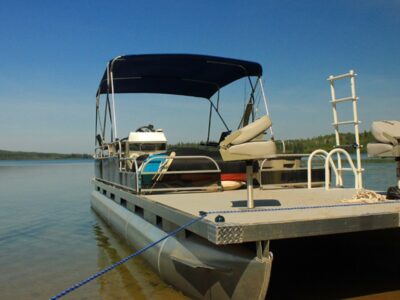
[146, 128]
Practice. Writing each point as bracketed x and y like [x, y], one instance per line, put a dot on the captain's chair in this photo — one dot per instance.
[387, 134]
[246, 144]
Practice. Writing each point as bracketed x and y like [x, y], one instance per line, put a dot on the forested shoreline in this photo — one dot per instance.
[308, 145]
[327, 142]
[22, 155]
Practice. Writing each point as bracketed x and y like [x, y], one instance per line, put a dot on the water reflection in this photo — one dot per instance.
[132, 280]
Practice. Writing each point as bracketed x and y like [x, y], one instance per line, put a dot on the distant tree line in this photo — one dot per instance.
[308, 145]
[21, 155]
[328, 142]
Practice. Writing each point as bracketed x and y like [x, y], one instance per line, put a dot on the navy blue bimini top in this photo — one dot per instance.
[178, 74]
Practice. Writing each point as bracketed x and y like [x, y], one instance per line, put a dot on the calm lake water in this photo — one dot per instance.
[51, 239]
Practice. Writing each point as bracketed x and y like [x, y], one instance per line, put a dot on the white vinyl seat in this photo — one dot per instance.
[245, 143]
[382, 150]
[387, 134]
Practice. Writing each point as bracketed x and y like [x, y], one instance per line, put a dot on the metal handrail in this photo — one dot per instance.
[102, 148]
[309, 166]
[136, 169]
[357, 183]
[283, 155]
[217, 170]
[140, 171]
[143, 167]
[124, 187]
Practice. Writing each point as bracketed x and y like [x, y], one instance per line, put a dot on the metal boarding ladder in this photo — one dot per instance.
[336, 123]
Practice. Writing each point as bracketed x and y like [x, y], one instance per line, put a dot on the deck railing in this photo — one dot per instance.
[141, 180]
[162, 172]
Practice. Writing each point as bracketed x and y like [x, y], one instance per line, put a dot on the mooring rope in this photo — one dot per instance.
[203, 214]
[366, 196]
[113, 266]
[253, 210]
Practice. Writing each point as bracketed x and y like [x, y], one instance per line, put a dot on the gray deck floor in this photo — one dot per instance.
[282, 213]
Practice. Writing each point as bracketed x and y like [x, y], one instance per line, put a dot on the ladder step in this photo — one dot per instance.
[350, 169]
[345, 169]
[350, 74]
[344, 99]
[346, 123]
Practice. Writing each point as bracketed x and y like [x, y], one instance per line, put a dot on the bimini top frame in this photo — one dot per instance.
[178, 74]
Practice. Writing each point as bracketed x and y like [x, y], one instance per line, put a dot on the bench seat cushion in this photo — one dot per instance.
[391, 128]
[382, 150]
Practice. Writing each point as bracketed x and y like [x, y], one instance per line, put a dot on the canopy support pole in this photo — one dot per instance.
[209, 124]
[266, 105]
[216, 110]
[114, 118]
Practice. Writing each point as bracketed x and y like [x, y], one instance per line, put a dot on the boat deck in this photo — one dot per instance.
[278, 214]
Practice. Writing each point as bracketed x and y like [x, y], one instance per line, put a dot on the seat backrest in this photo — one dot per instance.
[252, 130]
[387, 132]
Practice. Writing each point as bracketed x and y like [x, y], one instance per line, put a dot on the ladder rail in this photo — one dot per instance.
[336, 128]
[356, 127]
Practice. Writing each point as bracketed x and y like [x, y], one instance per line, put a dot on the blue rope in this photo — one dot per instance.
[252, 210]
[113, 266]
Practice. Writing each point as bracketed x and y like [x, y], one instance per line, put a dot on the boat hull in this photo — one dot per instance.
[192, 264]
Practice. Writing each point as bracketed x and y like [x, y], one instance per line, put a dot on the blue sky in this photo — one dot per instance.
[54, 53]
